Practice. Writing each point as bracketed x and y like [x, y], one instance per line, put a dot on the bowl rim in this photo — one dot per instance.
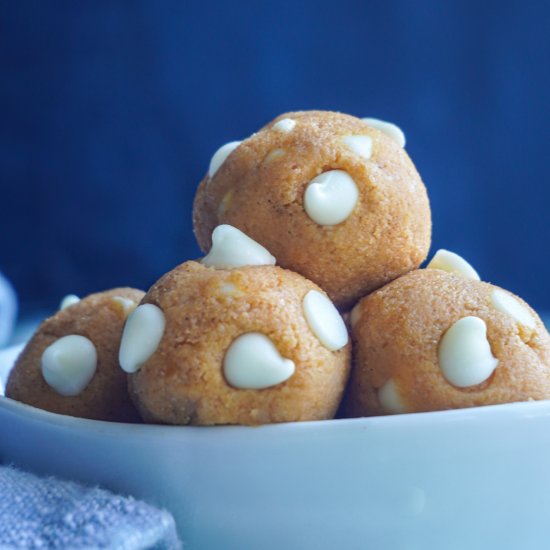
[524, 409]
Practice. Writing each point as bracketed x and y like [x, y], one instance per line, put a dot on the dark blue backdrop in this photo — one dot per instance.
[110, 112]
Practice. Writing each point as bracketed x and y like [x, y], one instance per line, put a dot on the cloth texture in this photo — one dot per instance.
[49, 513]
[8, 310]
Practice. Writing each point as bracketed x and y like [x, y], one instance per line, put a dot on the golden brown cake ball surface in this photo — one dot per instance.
[432, 340]
[332, 197]
[233, 346]
[76, 350]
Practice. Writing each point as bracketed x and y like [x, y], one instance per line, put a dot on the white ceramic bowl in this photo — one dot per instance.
[465, 479]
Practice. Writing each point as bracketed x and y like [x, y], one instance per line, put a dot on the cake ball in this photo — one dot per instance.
[333, 197]
[70, 365]
[435, 339]
[221, 341]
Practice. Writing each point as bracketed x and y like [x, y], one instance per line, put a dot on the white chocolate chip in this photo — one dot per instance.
[69, 364]
[232, 248]
[220, 155]
[452, 263]
[325, 321]
[141, 336]
[331, 197]
[355, 315]
[360, 145]
[465, 356]
[225, 203]
[506, 303]
[229, 289]
[390, 399]
[274, 155]
[284, 125]
[253, 362]
[126, 304]
[68, 301]
[391, 130]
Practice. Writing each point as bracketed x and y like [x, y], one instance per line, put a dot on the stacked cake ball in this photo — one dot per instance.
[331, 196]
[315, 214]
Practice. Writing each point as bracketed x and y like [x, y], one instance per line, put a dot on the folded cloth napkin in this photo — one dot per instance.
[49, 513]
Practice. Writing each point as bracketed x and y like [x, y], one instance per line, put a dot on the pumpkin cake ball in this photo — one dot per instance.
[233, 339]
[333, 197]
[439, 338]
[70, 365]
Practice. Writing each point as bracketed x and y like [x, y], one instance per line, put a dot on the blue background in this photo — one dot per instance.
[110, 111]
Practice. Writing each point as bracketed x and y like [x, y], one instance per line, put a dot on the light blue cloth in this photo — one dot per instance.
[8, 310]
[46, 513]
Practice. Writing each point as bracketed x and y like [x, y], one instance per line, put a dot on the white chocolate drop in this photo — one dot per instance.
[325, 321]
[284, 125]
[390, 399]
[126, 304]
[69, 364]
[331, 197]
[220, 155]
[464, 353]
[230, 289]
[253, 362]
[68, 301]
[275, 154]
[225, 203]
[452, 263]
[390, 129]
[141, 336]
[355, 315]
[360, 145]
[232, 248]
[506, 303]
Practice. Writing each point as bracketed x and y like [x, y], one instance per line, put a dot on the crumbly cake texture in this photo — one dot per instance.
[99, 317]
[205, 310]
[397, 332]
[260, 189]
